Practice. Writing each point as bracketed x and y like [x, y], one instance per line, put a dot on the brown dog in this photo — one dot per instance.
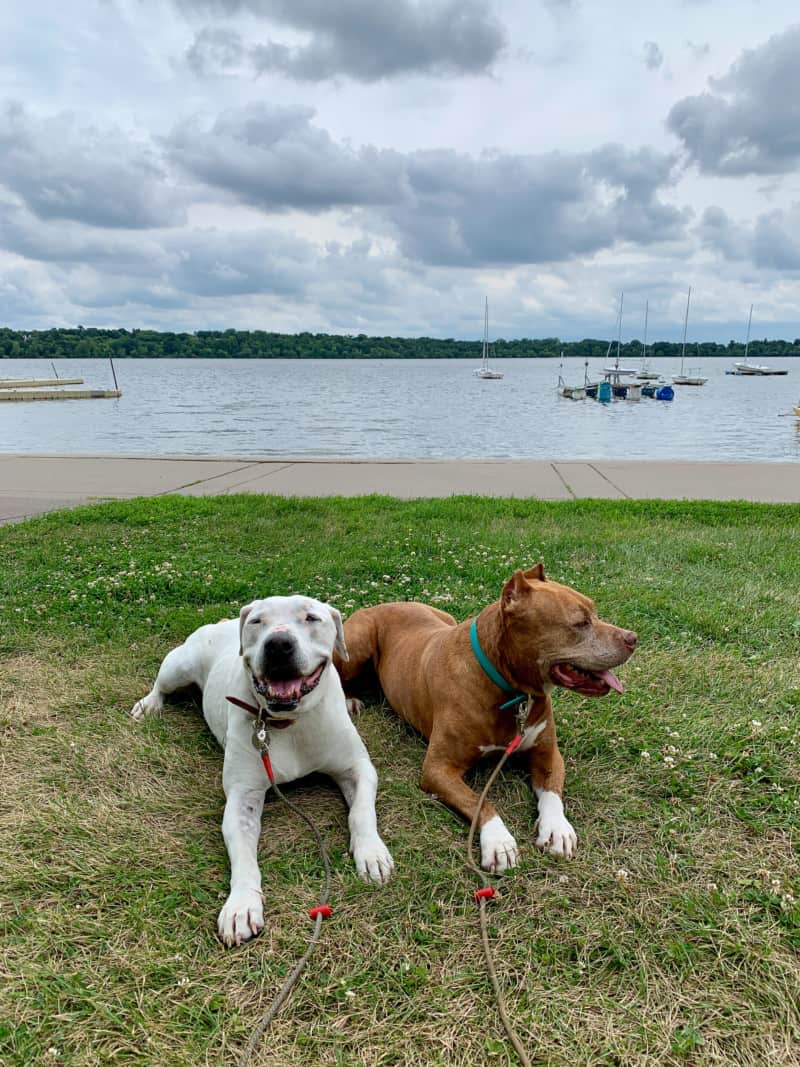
[539, 634]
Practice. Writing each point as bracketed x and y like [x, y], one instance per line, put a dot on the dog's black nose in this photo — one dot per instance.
[279, 647]
[630, 638]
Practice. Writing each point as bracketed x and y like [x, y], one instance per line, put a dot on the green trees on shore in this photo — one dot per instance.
[90, 343]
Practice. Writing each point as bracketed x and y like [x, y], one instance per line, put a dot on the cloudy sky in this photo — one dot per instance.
[378, 166]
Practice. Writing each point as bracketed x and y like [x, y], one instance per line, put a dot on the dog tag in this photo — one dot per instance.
[523, 713]
[259, 739]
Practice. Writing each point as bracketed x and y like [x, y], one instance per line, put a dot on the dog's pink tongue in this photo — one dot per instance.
[612, 681]
[289, 690]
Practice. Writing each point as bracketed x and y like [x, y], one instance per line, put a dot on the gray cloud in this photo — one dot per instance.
[202, 262]
[749, 123]
[215, 49]
[653, 56]
[100, 177]
[359, 39]
[771, 242]
[532, 209]
[219, 263]
[276, 159]
[441, 206]
[67, 242]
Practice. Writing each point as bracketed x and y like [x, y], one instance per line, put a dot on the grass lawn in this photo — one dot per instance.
[673, 938]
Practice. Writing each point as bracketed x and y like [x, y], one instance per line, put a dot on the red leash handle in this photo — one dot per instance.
[324, 910]
[485, 894]
[268, 767]
[514, 744]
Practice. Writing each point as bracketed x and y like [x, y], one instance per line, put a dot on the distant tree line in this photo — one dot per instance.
[89, 343]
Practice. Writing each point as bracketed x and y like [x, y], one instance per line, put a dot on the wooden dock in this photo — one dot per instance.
[37, 383]
[59, 394]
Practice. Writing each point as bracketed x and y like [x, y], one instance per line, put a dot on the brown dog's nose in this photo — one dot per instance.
[630, 639]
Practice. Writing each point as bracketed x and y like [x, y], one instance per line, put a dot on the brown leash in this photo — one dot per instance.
[318, 914]
[487, 892]
[322, 910]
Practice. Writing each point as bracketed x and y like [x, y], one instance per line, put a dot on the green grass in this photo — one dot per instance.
[673, 938]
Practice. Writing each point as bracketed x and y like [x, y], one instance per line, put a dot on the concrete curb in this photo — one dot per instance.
[33, 484]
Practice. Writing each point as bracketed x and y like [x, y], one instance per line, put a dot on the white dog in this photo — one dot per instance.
[278, 658]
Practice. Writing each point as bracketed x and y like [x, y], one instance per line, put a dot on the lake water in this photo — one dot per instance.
[400, 408]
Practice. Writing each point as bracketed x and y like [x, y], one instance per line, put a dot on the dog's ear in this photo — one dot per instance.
[242, 620]
[339, 645]
[514, 590]
[536, 573]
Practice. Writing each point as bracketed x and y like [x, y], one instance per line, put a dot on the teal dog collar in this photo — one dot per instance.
[492, 672]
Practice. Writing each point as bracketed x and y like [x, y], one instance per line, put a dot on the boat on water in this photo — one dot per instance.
[574, 392]
[689, 378]
[615, 370]
[614, 374]
[753, 370]
[646, 374]
[485, 371]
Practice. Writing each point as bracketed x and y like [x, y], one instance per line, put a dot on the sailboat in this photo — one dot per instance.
[616, 370]
[485, 371]
[573, 392]
[753, 370]
[613, 374]
[646, 374]
[682, 378]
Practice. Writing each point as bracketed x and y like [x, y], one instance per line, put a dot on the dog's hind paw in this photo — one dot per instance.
[373, 860]
[241, 918]
[499, 850]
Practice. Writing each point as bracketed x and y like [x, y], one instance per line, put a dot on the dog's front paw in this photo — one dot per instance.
[146, 706]
[354, 705]
[373, 860]
[555, 834]
[241, 918]
[499, 850]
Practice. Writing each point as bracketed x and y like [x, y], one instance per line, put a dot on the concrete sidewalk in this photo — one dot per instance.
[32, 484]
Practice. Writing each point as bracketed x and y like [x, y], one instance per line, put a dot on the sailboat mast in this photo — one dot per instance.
[619, 326]
[685, 325]
[644, 351]
[485, 353]
[747, 342]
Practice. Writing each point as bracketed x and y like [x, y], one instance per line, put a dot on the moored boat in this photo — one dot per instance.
[485, 371]
[646, 374]
[683, 378]
[753, 370]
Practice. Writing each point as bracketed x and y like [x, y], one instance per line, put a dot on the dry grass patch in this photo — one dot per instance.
[666, 941]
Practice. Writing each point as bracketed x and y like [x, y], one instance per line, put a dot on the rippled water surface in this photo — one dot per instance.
[411, 408]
